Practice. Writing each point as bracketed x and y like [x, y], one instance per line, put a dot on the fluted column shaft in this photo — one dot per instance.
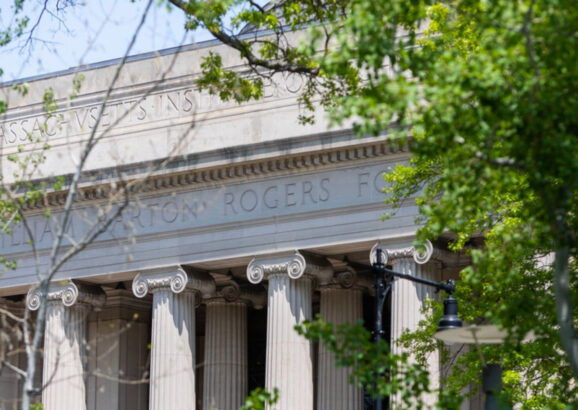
[64, 357]
[408, 300]
[225, 371]
[289, 364]
[334, 389]
[172, 375]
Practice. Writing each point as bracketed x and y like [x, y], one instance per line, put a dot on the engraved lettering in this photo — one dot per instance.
[128, 108]
[172, 103]
[13, 132]
[193, 209]
[290, 194]
[325, 190]
[152, 208]
[188, 102]
[105, 117]
[308, 191]
[82, 119]
[293, 82]
[135, 217]
[249, 200]
[37, 128]
[229, 198]
[24, 135]
[270, 203]
[170, 215]
[379, 182]
[93, 112]
[50, 126]
[80, 122]
[362, 183]
[141, 112]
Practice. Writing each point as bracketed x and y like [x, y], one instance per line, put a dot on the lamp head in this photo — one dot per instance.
[450, 319]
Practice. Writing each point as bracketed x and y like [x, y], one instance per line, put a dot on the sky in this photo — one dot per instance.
[89, 31]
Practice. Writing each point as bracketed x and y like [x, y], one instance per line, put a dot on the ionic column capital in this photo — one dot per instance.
[294, 264]
[389, 254]
[69, 293]
[175, 278]
[430, 253]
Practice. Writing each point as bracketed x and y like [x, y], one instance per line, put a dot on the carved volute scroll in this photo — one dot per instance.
[231, 291]
[69, 293]
[175, 278]
[294, 264]
[346, 277]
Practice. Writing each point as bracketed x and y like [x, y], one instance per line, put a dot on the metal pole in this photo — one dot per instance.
[382, 288]
[492, 385]
[383, 280]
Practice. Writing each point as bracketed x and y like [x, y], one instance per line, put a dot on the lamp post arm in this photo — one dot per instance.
[448, 286]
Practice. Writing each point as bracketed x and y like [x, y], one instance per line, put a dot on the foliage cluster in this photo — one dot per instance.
[484, 92]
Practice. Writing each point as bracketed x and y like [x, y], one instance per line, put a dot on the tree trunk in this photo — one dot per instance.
[564, 309]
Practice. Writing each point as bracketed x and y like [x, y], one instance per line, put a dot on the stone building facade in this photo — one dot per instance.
[254, 224]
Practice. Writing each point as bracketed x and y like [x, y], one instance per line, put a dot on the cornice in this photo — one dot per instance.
[68, 294]
[209, 176]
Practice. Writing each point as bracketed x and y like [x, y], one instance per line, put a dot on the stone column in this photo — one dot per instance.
[172, 373]
[225, 367]
[64, 342]
[341, 302]
[289, 364]
[408, 300]
[225, 386]
[118, 358]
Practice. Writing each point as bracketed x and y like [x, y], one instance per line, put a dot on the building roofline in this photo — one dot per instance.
[131, 58]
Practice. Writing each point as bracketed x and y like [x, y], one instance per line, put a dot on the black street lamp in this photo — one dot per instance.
[383, 281]
[449, 328]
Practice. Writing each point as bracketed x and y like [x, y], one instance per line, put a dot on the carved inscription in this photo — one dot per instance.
[133, 111]
[290, 194]
[370, 181]
[222, 205]
[83, 119]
